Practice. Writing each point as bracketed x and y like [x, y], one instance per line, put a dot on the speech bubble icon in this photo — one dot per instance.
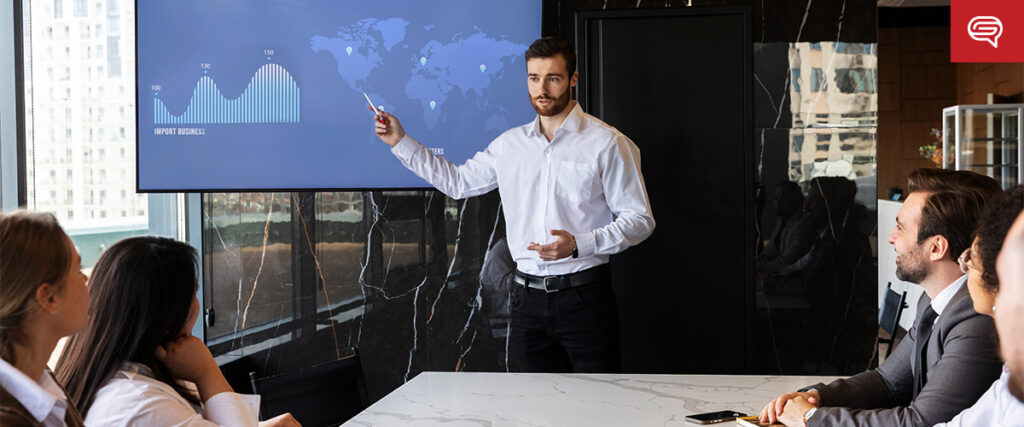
[986, 29]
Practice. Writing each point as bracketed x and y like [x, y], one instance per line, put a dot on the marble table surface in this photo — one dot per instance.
[512, 399]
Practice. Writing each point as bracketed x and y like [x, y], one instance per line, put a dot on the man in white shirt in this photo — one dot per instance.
[573, 194]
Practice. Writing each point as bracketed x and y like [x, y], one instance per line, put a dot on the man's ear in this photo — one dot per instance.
[574, 79]
[938, 249]
[46, 297]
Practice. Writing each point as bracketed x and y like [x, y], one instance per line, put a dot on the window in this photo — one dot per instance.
[83, 63]
[114, 58]
[856, 80]
[817, 80]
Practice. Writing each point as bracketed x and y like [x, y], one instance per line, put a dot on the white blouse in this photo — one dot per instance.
[43, 398]
[996, 408]
[133, 397]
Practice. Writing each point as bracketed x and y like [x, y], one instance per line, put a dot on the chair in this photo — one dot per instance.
[322, 395]
[889, 317]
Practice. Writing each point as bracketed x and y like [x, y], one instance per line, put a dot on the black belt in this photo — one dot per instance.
[565, 281]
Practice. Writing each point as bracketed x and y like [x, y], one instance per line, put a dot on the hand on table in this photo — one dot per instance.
[774, 409]
[794, 411]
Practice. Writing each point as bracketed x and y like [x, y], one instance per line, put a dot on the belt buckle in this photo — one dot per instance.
[548, 279]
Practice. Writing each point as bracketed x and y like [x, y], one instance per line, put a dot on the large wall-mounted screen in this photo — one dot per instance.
[268, 94]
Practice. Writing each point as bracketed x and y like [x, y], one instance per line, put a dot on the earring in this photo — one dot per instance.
[53, 313]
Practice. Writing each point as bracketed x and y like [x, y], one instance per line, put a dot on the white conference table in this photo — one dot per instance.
[510, 399]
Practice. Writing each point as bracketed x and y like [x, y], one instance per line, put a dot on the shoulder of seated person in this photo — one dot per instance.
[966, 323]
[11, 417]
[961, 310]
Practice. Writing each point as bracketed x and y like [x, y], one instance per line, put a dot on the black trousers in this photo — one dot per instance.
[572, 330]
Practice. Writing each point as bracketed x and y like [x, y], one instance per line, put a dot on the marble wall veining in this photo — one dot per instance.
[295, 279]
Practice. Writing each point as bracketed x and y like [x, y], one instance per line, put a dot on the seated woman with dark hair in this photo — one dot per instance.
[43, 298]
[137, 363]
[979, 263]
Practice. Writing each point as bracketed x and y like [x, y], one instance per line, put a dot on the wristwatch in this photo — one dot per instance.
[808, 414]
[575, 249]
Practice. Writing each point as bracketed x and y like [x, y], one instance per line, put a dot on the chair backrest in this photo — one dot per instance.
[892, 309]
[322, 395]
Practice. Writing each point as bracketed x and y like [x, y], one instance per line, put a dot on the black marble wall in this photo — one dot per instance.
[295, 279]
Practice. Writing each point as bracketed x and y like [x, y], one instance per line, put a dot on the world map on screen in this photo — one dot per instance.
[237, 97]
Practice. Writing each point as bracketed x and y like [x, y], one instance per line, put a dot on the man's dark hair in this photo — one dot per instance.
[933, 180]
[992, 229]
[952, 214]
[549, 47]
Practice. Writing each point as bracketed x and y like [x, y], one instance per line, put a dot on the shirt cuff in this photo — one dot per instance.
[405, 148]
[585, 244]
[229, 408]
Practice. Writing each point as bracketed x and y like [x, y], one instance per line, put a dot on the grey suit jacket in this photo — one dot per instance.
[962, 359]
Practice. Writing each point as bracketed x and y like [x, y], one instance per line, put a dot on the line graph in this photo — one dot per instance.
[272, 96]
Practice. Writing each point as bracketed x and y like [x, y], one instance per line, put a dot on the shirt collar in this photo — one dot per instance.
[573, 122]
[40, 398]
[942, 299]
[131, 370]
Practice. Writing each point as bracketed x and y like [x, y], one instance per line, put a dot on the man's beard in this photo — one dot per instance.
[909, 270]
[555, 107]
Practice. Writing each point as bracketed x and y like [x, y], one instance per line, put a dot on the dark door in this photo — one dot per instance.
[678, 83]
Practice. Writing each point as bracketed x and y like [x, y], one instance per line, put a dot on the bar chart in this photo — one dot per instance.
[272, 96]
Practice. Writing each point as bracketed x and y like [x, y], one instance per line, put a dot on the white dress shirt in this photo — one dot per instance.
[133, 397]
[943, 298]
[44, 398]
[996, 408]
[586, 181]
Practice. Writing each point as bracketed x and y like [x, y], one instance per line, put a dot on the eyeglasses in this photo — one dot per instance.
[965, 261]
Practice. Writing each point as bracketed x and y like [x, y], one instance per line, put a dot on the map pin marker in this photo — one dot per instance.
[348, 50]
[482, 67]
[423, 60]
[433, 105]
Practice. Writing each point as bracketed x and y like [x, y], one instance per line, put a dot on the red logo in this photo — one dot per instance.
[987, 31]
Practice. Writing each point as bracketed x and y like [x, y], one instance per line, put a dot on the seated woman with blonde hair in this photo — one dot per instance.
[137, 363]
[43, 297]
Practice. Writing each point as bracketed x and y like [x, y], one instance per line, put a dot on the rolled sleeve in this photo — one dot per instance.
[233, 409]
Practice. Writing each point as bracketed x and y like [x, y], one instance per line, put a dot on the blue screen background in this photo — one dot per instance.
[452, 71]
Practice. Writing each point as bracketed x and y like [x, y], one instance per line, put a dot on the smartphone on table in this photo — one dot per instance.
[714, 417]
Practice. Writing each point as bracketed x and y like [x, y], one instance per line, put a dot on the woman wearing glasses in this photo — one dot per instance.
[979, 263]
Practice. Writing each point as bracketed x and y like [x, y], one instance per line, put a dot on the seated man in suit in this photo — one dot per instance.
[949, 357]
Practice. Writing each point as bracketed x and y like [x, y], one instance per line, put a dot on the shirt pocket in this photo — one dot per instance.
[576, 182]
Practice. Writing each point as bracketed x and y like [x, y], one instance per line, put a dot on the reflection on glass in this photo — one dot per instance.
[816, 287]
[247, 263]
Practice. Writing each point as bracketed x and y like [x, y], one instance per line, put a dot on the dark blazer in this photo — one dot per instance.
[13, 414]
[962, 362]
